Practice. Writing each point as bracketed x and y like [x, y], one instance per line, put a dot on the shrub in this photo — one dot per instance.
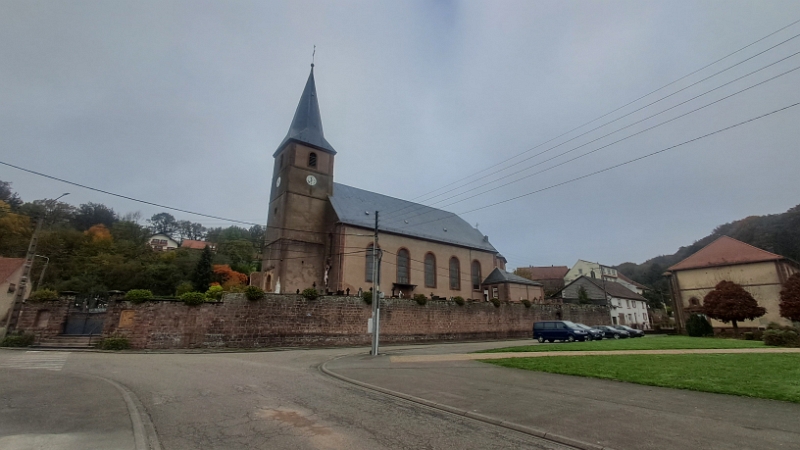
[43, 295]
[215, 292]
[420, 299]
[138, 295]
[526, 302]
[496, 302]
[253, 293]
[781, 338]
[310, 294]
[749, 336]
[459, 300]
[183, 287]
[17, 340]
[115, 343]
[193, 298]
[698, 326]
[367, 297]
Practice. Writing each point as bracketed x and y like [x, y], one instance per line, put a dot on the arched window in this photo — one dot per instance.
[269, 283]
[455, 274]
[430, 270]
[368, 265]
[312, 159]
[403, 266]
[476, 275]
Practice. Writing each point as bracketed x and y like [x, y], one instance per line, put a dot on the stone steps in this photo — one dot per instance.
[69, 341]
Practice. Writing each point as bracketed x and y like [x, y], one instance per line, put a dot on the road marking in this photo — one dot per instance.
[36, 360]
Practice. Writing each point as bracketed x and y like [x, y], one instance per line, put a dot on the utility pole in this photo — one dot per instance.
[376, 296]
[41, 275]
[19, 295]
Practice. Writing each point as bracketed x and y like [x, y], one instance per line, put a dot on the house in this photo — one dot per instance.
[320, 232]
[551, 277]
[509, 287]
[197, 245]
[759, 272]
[597, 270]
[626, 306]
[162, 242]
[10, 274]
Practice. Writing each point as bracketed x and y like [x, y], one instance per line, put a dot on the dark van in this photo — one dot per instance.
[558, 330]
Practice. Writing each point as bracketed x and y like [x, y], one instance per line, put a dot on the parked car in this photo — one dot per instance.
[594, 335]
[612, 333]
[558, 330]
[632, 331]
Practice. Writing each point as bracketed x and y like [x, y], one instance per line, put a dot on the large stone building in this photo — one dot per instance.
[759, 272]
[319, 233]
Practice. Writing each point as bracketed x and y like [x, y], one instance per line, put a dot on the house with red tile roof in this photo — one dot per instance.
[758, 271]
[196, 245]
[551, 277]
[10, 274]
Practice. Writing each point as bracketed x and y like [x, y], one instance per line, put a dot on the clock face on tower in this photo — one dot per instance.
[311, 180]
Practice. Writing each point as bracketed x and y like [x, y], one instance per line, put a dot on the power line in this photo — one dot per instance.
[612, 143]
[624, 163]
[472, 180]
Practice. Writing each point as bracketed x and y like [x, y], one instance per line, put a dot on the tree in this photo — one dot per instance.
[90, 214]
[790, 298]
[8, 196]
[190, 230]
[583, 296]
[163, 223]
[729, 302]
[203, 272]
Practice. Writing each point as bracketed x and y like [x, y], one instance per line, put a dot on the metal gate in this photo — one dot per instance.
[86, 316]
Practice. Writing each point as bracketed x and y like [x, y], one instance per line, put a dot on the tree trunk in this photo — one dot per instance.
[735, 328]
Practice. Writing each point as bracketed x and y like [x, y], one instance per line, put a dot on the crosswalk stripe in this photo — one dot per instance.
[36, 360]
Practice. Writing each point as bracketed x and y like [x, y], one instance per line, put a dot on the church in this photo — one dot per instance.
[320, 233]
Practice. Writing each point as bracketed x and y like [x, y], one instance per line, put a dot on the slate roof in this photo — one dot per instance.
[613, 289]
[725, 251]
[306, 126]
[499, 275]
[546, 273]
[8, 266]
[354, 206]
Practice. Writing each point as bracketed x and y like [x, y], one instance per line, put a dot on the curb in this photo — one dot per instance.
[557, 438]
[144, 433]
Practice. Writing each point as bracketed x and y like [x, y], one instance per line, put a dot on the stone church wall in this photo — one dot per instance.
[293, 321]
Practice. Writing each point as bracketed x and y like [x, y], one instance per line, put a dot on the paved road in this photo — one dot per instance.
[282, 400]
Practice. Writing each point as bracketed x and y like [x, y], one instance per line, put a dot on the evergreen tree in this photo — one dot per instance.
[203, 272]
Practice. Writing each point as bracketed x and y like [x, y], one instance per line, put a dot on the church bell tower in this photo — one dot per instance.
[302, 180]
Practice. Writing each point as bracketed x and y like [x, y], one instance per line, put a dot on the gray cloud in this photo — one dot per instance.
[183, 103]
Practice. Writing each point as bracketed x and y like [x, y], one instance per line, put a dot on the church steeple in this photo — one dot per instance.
[306, 126]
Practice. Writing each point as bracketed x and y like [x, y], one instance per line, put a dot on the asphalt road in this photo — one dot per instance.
[282, 400]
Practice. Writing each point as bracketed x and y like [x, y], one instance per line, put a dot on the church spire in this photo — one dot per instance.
[306, 126]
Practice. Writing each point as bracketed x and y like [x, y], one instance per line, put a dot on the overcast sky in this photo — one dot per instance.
[184, 102]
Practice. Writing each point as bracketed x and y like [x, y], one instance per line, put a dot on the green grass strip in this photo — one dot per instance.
[770, 376]
[645, 343]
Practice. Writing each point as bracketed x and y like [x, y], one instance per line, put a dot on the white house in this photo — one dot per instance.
[162, 242]
[599, 271]
[626, 307]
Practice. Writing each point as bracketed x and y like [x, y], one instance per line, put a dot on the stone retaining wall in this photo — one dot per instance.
[293, 321]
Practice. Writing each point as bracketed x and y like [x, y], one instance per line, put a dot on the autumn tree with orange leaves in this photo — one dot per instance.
[227, 277]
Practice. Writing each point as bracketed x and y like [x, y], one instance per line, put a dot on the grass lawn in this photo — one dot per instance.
[772, 376]
[645, 343]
